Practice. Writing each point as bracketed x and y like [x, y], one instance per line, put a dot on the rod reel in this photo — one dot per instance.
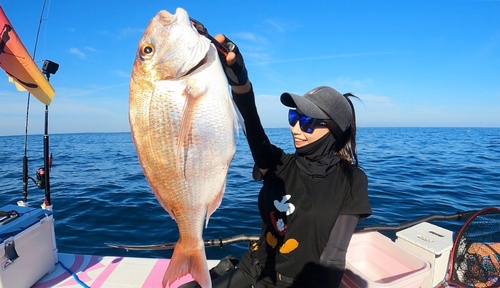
[40, 175]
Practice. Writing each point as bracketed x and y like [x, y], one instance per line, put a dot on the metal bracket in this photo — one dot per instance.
[10, 253]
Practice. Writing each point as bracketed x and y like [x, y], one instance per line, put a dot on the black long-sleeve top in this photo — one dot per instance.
[301, 236]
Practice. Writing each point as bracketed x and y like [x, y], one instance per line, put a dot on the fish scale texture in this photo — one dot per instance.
[183, 126]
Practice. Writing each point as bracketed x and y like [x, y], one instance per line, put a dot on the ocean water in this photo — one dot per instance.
[100, 194]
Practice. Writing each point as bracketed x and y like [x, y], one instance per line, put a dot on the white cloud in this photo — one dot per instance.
[248, 36]
[131, 32]
[346, 84]
[323, 57]
[68, 92]
[278, 27]
[77, 52]
[123, 33]
[375, 100]
[121, 73]
[91, 49]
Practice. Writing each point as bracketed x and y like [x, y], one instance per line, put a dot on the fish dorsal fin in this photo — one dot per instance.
[192, 95]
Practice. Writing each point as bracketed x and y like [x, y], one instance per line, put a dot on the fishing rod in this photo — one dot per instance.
[435, 217]
[254, 238]
[25, 158]
[43, 173]
[208, 243]
[48, 68]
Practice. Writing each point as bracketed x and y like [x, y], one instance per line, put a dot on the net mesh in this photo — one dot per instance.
[476, 253]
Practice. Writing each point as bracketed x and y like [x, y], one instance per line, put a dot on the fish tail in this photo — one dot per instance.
[186, 260]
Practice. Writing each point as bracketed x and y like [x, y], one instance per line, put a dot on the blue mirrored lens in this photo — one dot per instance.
[306, 124]
[292, 117]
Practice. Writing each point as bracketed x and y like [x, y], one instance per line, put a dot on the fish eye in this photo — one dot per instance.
[147, 51]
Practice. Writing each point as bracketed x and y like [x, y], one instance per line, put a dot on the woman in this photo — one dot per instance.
[310, 201]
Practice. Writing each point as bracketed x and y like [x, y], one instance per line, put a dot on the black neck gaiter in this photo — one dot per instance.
[318, 159]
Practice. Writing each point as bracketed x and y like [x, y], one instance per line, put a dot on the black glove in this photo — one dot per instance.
[236, 74]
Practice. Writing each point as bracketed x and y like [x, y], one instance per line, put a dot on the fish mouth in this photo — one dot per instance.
[198, 54]
[165, 17]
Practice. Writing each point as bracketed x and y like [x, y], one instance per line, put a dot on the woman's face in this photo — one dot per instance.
[301, 138]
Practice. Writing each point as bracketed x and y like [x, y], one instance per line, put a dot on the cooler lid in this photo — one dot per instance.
[28, 216]
[428, 236]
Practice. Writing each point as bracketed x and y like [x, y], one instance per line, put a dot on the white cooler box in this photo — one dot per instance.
[433, 244]
[27, 247]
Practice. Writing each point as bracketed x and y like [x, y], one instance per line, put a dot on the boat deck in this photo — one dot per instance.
[122, 272]
[133, 272]
[109, 272]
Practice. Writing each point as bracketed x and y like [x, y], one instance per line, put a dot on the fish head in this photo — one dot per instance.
[170, 47]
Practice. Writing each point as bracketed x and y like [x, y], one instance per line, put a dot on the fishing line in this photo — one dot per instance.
[39, 27]
[46, 28]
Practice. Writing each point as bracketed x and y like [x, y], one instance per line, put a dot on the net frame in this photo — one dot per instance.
[475, 258]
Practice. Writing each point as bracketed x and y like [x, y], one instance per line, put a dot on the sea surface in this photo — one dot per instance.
[100, 195]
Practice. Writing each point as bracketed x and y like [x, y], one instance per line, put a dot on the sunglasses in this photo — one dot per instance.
[307, 124]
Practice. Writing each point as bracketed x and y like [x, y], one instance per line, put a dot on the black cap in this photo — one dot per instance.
[322, 103]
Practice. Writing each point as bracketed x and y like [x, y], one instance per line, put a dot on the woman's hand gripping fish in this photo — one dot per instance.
[183, 125]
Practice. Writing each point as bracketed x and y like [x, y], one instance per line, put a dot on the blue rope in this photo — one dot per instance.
[74, 275]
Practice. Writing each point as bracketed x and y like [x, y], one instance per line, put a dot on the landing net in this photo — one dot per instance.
[475, 259]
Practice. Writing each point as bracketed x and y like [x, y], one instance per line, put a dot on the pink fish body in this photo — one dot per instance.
[183, 125]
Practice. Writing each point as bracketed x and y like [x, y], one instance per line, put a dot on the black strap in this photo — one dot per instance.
[9, 214]
[334, 129]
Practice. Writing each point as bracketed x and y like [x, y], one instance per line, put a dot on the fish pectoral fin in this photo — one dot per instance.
[165, 206]
[238, 119]
[192, 94]
[215, 204]
[172, 215]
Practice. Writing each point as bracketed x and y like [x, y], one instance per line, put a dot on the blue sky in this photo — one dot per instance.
[412, 63]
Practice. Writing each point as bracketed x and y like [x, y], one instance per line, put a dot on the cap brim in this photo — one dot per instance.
[303, 104]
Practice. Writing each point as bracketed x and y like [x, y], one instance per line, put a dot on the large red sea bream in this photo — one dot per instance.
[183, 125]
